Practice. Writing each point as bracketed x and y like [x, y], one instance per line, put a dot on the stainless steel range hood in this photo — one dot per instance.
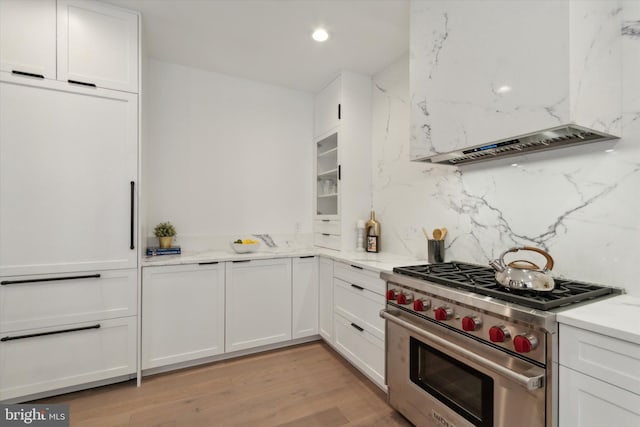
[548, 139]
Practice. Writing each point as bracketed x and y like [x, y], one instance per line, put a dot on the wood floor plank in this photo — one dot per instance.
[302, 386]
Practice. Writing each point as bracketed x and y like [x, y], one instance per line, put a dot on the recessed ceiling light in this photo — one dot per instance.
[320, 35]
[504, 89]
[514, 164]
[610, 150]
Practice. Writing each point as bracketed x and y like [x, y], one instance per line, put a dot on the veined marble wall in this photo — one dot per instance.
[582, 204]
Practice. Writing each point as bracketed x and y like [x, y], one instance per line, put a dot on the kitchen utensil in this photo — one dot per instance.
[437, 234]
[435, 251]
[523, 274]
[444, 232]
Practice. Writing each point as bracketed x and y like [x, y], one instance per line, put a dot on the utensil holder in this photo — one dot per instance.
[435, 251]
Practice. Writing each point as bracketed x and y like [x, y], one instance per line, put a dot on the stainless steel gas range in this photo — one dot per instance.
[462, 350]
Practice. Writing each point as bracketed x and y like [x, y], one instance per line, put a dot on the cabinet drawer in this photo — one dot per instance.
[364, 350]
[608, 359]
[359, 276]
[360, 306]
[327, 227]
[28, 302]
[328, 241]
[588, 402]
[50, 362]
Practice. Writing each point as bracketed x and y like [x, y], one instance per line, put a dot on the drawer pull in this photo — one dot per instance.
[208, 263]
[49, 279]
[357, 327]
[307, 256]
[356, 266]
[77, 82]
[23, 73]
[360, 288]
[242, 260]
[41, 334]
[326, 234]
[325, 220]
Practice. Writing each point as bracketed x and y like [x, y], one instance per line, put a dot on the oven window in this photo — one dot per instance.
[460, 387]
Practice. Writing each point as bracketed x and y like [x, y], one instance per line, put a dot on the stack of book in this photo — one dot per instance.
[173, 250]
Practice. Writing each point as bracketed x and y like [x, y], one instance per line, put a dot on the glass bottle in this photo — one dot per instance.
[372, 234]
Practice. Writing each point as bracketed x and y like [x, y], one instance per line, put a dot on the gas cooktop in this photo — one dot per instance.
[481, 280]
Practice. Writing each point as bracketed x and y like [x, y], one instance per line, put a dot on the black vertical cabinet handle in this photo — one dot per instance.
[339, 111]
[133, 190]
[339, 172]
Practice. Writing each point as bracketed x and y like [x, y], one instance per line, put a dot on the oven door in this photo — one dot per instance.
[439, 377]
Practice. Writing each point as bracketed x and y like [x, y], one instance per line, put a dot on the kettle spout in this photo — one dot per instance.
[497, 265]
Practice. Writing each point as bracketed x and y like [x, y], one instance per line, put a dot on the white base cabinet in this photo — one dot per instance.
[358, 330]
[258, 303]
[182, 313]
[325, 299]
[304, 289]
[599, 382]
[361, 348]
[39, 360]
[588, 402]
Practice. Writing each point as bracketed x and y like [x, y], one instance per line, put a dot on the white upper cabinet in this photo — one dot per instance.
[68, 173]
[97, 44]
[27, 37]
[81, 42]
[328, 108]
[342, 165]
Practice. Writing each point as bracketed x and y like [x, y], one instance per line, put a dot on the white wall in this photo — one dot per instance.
[580, 203]
[224, 155]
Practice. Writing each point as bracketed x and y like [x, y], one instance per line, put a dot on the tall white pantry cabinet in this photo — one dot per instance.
[69, 131]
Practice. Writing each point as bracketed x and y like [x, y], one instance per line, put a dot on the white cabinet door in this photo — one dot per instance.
[182, 313]
[28, 37]
[68, 173]
[305, 297]
[97, 44]
[588, 402]
[325, 293]
[327, 108]
[39, 360]
[258, 295]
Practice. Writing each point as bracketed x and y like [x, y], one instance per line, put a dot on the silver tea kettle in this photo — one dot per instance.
[523, 274]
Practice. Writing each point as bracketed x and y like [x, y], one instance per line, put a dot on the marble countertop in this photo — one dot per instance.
[370, 261]
[615, 317]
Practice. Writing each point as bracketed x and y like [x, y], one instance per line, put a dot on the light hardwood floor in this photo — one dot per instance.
[303, 386]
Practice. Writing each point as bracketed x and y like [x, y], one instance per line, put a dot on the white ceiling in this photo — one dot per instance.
[270, 40]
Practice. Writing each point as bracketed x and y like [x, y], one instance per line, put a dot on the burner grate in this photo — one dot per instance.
[481, 279]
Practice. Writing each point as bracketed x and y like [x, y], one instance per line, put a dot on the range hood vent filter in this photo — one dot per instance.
[548, 139]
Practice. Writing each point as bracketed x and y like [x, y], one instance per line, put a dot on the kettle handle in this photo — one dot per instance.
[545, 254]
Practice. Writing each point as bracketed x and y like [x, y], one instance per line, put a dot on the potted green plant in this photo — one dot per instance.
[165, 232]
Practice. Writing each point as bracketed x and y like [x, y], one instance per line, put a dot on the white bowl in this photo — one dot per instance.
[245, 248]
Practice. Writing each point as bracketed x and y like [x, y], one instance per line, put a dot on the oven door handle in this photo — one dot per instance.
[530, 383]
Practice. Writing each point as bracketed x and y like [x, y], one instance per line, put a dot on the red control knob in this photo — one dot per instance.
[471, 323]
[391, 295]
[524, 343]
[499, 333]
[402, 298]
[443, 313]
[420, 305]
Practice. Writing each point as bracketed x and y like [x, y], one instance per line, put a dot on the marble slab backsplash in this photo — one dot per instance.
[581, 204]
